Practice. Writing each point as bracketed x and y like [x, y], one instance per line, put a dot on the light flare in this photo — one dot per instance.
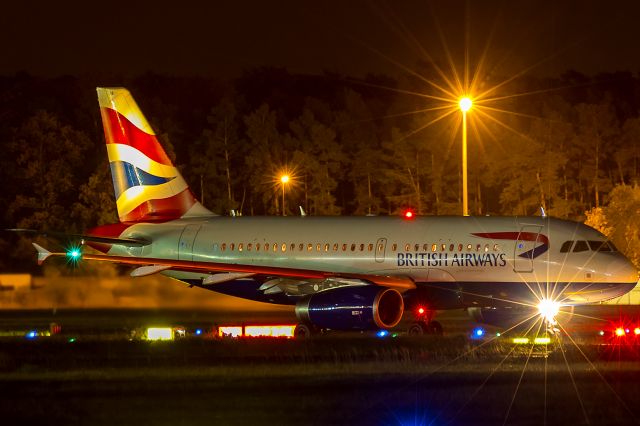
[548, 309]
[465, 104]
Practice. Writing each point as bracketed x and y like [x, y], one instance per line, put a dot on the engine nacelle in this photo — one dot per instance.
[352, 308]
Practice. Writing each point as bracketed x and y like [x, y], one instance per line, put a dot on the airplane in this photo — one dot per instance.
[340, 273]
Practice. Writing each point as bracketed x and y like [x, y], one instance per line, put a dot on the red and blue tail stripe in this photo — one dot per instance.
[148, 187]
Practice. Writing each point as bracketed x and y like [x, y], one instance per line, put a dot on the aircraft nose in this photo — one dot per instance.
[621, 270]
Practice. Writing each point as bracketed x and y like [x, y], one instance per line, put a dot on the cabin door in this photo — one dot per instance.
[185, 247]
[381, 247]
[524, 250]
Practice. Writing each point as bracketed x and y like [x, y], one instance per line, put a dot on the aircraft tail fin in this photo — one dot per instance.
[148, 187]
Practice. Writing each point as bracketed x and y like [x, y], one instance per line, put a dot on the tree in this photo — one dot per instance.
[595, 128]
[618, 220]
[212, 158]
[318, 160]
[47, 154]
[266, 156]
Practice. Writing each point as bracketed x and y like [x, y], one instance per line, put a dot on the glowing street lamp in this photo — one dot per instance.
[465, 105]
[284, 179]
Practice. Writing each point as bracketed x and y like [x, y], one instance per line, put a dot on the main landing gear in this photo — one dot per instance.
[304, 331]
[423, 324]
[421, 328]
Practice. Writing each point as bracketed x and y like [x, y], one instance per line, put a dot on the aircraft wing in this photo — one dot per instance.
[400, 283]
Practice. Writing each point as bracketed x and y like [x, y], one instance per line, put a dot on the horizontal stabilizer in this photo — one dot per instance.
[143, 271]
[43, 253]
[128, 242]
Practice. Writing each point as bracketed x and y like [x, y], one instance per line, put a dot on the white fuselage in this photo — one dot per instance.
[488, 251]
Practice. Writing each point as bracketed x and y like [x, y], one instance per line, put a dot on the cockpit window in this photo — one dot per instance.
[599, 246]
[580, 246]
[566, 247]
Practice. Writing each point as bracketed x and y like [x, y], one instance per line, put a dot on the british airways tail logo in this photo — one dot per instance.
[540, 241]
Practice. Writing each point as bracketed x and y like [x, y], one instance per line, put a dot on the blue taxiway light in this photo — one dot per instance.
[477, 333]
[382, 333]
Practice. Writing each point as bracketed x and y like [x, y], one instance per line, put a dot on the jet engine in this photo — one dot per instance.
[352, 308]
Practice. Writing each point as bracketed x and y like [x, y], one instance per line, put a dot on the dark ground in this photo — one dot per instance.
[330, 380]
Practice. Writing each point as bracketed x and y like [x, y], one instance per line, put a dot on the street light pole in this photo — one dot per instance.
[465, 193]
[284, 179]
[465, 105]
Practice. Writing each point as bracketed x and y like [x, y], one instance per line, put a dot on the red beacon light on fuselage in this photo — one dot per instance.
[408, 214]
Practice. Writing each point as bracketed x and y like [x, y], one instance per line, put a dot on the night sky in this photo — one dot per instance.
[220, 39]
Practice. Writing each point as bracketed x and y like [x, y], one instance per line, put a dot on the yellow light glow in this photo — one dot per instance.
[284, 178]
[520, 340]
[542, 340]
[465, 104]
[230, 331]
[548, 309]
[269, 330]
[636, 331]
[159, 333]
[620, 332]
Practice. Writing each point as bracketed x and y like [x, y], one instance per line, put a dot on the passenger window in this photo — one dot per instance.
[301, 247]
[580, 246]
[266, 246]
[223, 246]
[452, 247]
[318, 247]
[496, 247]
[425, 247]
[407, 247]
[232, 247]
[215, 246]
[486, 248]
[249, 247]
[434, 247]
[416, 247]
[478, 247]
[469, 247]
[344, 247]
[293, 246]
[599, 246]
[258, 247]
[326, 247]
[353, 247]
[284, 247]
[444, 247]
[566, 247]
[394, 247]
[309, 247]
[371, 247]
[275, 246]
[335, 247]
[460, 246]
[380, 247]
[361, 247]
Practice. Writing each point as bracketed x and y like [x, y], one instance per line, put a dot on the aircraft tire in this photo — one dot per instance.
[417, 328]
[435, 328]
[303, 331]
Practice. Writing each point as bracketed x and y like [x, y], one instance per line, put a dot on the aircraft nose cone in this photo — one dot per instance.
[620, 270]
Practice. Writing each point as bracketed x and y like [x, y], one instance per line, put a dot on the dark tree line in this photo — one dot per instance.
[351, 146]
